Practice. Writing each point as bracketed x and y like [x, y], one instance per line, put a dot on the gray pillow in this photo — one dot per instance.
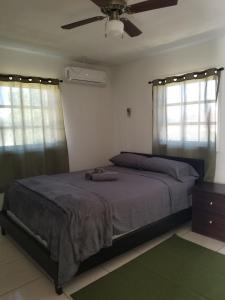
[178, 170]
[129, 160]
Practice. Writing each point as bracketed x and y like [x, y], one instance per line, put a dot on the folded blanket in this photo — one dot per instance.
[105, 176]
[101, 175]
[88, 175]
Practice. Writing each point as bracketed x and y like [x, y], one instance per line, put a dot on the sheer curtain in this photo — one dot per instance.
[32, 134]
[185, 117]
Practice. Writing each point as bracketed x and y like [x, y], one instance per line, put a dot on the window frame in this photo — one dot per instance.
[183, 123]
[12, 127]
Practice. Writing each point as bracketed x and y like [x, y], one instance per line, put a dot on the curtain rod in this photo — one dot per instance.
[179, 76]
[29, 79]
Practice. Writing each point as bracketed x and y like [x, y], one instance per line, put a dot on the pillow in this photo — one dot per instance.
[176, 169]
[129, 160]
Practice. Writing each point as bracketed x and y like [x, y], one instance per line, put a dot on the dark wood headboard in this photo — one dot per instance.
[197, 164]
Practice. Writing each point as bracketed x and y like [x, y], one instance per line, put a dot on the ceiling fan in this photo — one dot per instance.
[116, 11]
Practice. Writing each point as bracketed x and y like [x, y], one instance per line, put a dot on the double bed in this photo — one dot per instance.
[69, 224]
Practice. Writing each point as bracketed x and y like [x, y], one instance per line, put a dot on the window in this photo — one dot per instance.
[190, 108]
[30, 115]
[185, 117]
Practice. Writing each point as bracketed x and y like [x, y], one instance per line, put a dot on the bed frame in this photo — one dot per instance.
[120, 245]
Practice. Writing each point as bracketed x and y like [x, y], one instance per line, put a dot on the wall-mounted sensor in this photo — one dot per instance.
[129, 111]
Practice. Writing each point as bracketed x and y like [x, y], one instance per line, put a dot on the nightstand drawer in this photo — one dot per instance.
[211, 202]
[209, 224]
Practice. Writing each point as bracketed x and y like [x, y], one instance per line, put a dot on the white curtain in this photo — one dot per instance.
[185, 119]
[32, 134]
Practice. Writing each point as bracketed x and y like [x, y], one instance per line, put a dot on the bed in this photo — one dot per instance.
[68, 224]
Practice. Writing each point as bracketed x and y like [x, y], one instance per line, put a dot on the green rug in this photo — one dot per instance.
[174, 270]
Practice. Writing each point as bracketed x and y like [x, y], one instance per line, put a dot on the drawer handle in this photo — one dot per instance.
[211, 203]
[210, 222]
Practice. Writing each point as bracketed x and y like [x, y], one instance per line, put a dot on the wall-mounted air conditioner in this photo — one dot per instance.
[86, 76]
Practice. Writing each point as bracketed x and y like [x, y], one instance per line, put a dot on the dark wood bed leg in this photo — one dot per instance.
[58, 289]
[3, 231]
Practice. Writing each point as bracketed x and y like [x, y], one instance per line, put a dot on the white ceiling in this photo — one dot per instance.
[35, 24]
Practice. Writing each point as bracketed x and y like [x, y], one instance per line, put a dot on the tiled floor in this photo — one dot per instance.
[21, 278]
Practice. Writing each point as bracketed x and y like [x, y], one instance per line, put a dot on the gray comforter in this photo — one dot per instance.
[77, 217]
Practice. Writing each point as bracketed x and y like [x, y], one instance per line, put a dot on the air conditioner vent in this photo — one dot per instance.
[86, 76]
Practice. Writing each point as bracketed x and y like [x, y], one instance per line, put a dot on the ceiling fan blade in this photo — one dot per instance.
[83, 22]
[150, 5]
[100, 3]
[130, 28]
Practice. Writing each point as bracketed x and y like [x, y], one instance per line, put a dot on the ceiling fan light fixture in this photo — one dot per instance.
[115, 28]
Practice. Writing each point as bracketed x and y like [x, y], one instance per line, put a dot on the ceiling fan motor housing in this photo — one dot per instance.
[115, 9]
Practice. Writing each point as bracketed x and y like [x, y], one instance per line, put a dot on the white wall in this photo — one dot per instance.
[87, 109]
[131, 89]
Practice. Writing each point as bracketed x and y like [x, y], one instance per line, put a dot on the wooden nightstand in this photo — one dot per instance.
[208, 214]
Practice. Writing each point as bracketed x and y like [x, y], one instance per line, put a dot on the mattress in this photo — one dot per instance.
[115, 236]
